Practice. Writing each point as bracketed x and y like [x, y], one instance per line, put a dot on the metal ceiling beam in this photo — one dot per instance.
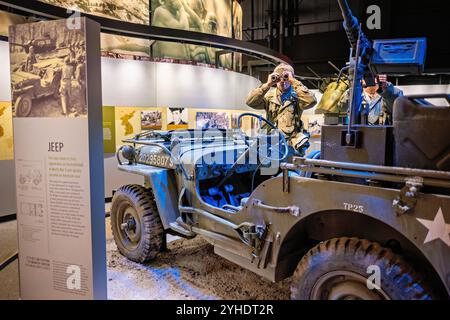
[135, 30]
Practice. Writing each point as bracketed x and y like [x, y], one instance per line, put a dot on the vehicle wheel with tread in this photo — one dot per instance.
[338, 269]
[22, 107]
[135, 223]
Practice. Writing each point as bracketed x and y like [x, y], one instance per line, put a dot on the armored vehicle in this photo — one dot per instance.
[367, 217]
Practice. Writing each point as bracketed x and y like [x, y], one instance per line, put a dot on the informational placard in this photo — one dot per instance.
[109, 130]
[58, 149]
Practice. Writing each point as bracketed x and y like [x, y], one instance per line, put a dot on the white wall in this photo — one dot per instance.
[128, 83]
[5, 78]
[201, 87]
[158, 84]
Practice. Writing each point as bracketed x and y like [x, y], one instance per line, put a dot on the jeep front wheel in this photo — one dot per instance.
[23, 105]
[347, 269]
[135, 223]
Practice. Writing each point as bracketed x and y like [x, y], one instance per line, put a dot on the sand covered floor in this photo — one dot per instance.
[188, 270]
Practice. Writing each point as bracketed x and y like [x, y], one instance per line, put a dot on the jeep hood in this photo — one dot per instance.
[22, 76]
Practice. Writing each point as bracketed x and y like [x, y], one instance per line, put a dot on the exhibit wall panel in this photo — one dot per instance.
[161, 84]
[202, 87]
[128, 83]
[58, 154]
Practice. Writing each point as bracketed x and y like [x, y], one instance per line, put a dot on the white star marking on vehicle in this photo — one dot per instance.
[437, 228]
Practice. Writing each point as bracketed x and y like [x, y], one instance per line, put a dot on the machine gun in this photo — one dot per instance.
[24, 46]
[367, 58]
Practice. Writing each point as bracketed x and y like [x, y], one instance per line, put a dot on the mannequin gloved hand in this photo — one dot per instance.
[300, 142]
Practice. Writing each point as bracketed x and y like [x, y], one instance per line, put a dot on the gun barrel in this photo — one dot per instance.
[346, 12]
[351, 26]
[17, 44]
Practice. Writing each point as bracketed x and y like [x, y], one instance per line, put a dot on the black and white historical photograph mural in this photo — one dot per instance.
[48, 69]
[151, 120]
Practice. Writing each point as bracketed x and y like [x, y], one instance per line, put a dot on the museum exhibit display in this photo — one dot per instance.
[224, 150]
[59, 185]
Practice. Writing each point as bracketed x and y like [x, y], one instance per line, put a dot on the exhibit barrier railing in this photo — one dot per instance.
[8, 259]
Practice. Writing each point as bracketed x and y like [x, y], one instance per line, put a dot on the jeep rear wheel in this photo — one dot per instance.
[345, 268]
[135, 223]
[23, 105]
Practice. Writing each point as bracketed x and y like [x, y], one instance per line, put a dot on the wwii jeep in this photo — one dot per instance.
[43, 81]
[366, 217]
[328, 224]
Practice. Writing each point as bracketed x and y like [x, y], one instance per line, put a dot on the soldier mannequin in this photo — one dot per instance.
[284, 102]
[377, 102]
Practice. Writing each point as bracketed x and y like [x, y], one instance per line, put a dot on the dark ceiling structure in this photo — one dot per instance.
[310, 32]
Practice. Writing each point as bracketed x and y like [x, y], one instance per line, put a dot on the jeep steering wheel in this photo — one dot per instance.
[273, 127]
[231, 170]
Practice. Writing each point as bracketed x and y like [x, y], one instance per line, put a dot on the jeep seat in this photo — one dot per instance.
[421, 134]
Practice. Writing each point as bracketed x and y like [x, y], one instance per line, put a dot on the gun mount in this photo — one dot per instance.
[368, 58]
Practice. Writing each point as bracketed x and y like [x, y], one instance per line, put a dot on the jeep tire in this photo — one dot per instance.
[339, 269]
[135, 223]
[23, 105]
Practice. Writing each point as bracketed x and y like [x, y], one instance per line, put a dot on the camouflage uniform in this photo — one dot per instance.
[286, 117]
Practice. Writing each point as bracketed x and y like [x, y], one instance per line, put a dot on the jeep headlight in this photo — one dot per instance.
[126, 152]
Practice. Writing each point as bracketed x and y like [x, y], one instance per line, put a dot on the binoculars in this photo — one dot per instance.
[370, 82]
[277, 77]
